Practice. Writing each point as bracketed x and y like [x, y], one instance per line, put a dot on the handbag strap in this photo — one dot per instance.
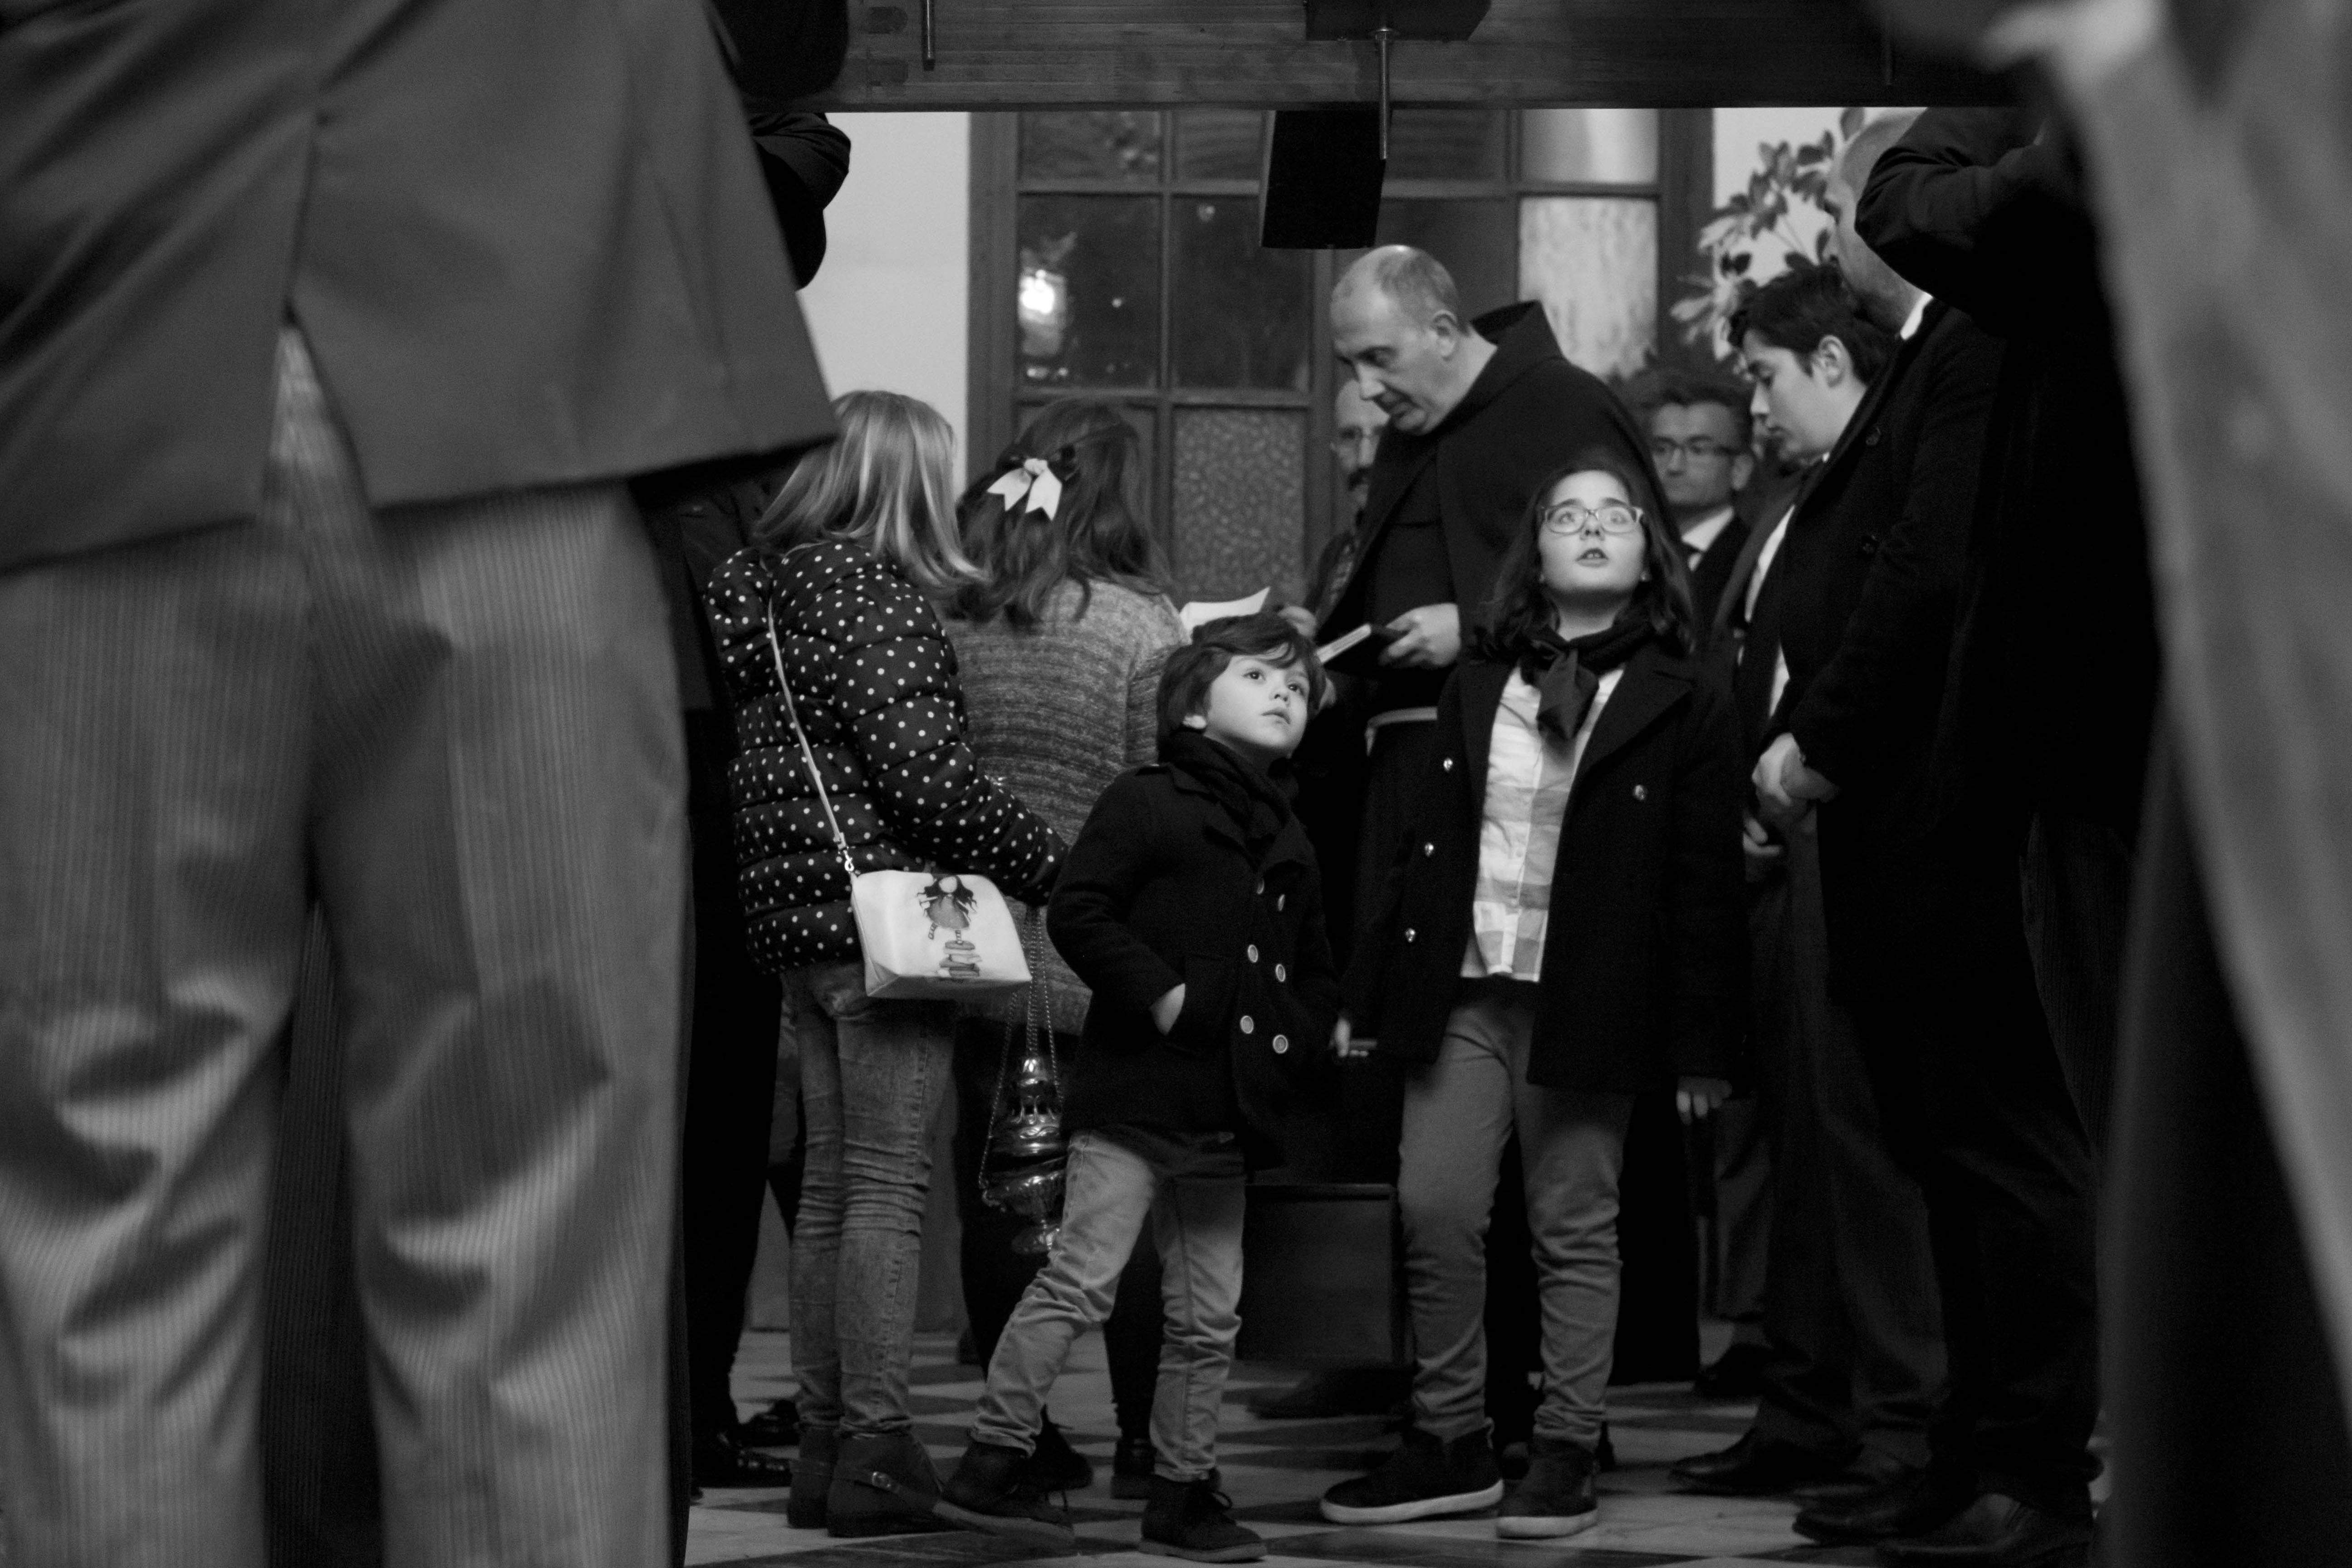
[808, 754]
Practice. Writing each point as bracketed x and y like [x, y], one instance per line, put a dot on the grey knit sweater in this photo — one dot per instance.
[1060, 710]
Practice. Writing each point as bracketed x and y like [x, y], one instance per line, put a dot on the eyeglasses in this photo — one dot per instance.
[1609, 517]
[1348, 441]
[1698, 450]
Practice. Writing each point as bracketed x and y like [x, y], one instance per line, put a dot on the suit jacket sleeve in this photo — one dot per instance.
[1882, 684]
[1707, 913]
[1088, 916]
[1975, 207]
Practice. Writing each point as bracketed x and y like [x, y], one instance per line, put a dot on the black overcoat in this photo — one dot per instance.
[1645, 958]
[1159, 890]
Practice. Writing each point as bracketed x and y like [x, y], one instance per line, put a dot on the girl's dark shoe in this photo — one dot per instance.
[1558, 1497]
[1131, 1468]
[882, 1485]
[1054, 1465]
[991, 1490]
[812, 1476]
[1425, 1478]
[1193, 1519]
[777, 1427]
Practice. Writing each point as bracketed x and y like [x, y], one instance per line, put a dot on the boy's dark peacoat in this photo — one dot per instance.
[1158, 891]
[1645, 953]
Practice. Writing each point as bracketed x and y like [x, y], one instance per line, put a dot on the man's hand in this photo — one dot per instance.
[1299, 615]
[1756, 845]
[1697, 1097]
[1428, 638]
[1164, 1011]
[1788, 788]
[1346, 1044]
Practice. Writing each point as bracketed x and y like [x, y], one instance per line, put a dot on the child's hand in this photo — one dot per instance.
[1347, 1044]
[1697, 1097]
[1164, 1011]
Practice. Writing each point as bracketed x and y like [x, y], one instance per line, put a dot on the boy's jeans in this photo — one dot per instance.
[1192, 1193]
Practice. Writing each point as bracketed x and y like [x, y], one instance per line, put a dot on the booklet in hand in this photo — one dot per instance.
[1358, 653]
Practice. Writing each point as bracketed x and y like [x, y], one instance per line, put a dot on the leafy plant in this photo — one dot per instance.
[1756, 222]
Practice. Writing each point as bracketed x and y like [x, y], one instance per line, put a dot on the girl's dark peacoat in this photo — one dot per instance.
[1158, 891]
[1646, 952]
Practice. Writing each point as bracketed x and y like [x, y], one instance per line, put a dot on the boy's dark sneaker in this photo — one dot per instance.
[1193, 1519]
[882, 1485]
[1425, 1478]
[991, 1490]
[812, 1476]
[1557, 1498]
[1131, 1468]
[1054, 1465]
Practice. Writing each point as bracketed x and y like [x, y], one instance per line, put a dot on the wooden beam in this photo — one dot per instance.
[1071, 54]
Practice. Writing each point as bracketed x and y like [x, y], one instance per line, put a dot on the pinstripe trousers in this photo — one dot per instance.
[458, 725]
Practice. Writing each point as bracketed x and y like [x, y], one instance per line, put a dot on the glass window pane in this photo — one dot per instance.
[1087, 295]
[1476, 240]
[1090, 144]
[1241, 317]
[1240, 501]
[1594, 146]
[1220, 144]
[1594, 262]
[1445, 144]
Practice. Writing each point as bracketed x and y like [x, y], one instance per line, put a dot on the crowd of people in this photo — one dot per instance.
[1752, 757]
[1656, 776]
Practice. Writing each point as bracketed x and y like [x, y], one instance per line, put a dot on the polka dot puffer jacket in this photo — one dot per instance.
[874, 680]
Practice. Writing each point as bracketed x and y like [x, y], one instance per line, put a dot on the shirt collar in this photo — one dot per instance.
[1919, 311]
[1699, 535]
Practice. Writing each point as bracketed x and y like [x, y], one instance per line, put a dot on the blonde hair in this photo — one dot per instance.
[885, 484]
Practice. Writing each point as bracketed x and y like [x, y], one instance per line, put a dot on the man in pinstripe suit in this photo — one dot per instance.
[330, 336]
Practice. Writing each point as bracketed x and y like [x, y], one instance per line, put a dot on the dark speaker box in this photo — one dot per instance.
[1323, 178]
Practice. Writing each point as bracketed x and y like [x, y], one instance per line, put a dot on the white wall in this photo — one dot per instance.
[887, 306]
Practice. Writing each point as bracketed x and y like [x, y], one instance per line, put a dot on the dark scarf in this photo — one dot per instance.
[1259, 804]
[1567, 674]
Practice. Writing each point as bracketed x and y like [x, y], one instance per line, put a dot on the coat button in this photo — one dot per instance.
[1249, 1025]
[1280, 973]
[1252, 952]
[1408, 933]
[1447, 765]
[1281, 1044]
[1280, 899]
[1261, 884]
[1641, 791]
[1428, 849]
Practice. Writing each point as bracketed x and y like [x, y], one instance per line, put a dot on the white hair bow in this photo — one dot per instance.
[1032, 486]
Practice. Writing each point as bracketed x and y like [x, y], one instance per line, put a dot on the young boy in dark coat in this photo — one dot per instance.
[1191, 906]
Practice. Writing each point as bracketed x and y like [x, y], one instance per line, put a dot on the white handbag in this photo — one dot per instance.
[924, 933]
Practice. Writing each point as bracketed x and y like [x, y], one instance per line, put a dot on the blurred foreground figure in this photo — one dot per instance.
[2217, 140]
[329, 338]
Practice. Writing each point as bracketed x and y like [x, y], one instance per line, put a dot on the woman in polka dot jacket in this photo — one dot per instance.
[856, 545]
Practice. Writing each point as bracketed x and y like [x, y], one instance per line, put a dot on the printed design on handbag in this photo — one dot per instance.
[948, 903]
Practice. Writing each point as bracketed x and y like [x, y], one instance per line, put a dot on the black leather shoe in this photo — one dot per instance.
[720, 1461]
[1755, 1467]
[1736, 1374]
[1910, 1504]
[777, 1427]
[1869, 1470]
[1998, 1531]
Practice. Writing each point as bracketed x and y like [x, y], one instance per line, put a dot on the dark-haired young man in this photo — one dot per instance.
[1856, 1362]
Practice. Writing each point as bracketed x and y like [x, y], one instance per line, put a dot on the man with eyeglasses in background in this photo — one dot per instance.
[1699, 439]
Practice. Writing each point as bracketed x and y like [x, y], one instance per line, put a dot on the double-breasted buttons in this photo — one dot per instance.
[1249, 1025]
[1447, 765]
[1408, 933]
[1281, 1044]
[1280, 899]
[1280, 973]
[1261, 887]
[1252, 952]
[1641, 791]
[1427, 850]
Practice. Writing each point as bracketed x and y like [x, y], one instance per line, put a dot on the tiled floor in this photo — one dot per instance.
[1274, 1471]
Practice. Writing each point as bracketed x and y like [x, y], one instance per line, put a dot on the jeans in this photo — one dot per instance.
[872, 1076]
[1193, 1197]
[1459, 1111]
